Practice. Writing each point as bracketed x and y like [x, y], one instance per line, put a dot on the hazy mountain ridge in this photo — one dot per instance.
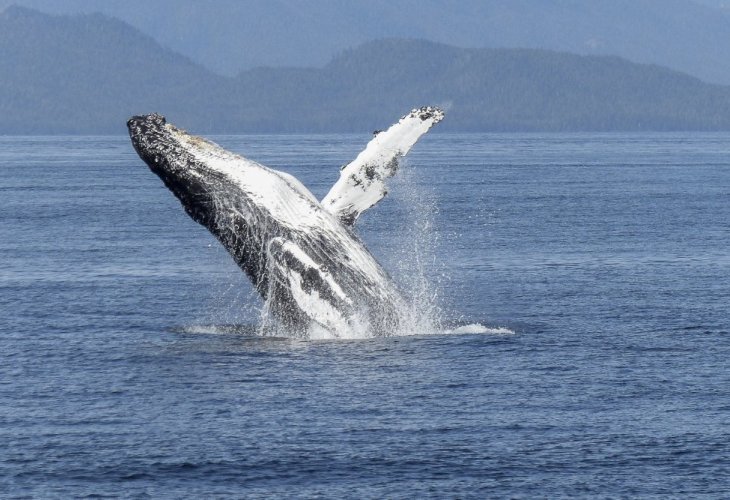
[507, 89]
[73, 74]
[88, 74]
[226, 36]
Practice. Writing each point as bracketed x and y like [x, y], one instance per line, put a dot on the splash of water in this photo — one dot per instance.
[478, 328]
[411, 255]
[416, 268]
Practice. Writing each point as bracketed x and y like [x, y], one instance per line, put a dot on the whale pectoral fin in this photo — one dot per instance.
[362, 182]
[305, 290]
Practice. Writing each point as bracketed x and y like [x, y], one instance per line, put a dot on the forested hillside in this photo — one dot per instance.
[88, 74]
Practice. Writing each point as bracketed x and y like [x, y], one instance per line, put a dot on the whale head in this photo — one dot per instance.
[217, 188]
[159, 144]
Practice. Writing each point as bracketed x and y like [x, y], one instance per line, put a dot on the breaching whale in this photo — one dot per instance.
[301, 255]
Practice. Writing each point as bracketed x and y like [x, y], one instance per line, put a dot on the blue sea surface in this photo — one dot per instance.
[131, 366]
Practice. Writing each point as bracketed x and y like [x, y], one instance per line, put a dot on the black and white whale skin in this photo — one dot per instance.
[315, 275]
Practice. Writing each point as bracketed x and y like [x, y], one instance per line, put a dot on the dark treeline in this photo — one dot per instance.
[87, 74]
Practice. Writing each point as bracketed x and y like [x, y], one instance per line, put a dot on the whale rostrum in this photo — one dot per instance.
[301, 255]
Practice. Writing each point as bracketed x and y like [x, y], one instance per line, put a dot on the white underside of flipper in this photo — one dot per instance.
[362, 182]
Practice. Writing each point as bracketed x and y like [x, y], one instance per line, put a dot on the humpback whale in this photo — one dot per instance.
[302, 255]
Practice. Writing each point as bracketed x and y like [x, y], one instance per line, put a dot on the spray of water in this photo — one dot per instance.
[416, 267]
[411, 254]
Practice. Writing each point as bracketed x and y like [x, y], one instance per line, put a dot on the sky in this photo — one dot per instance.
[228, 36]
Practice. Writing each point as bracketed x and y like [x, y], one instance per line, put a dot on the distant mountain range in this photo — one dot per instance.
[89, 73]
[227, 36]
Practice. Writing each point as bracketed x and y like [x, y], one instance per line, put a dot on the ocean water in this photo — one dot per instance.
[587, 277]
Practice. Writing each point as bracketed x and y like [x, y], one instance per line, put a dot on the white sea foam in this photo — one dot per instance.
[208, 329]
[478, 328]
[318, 333]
